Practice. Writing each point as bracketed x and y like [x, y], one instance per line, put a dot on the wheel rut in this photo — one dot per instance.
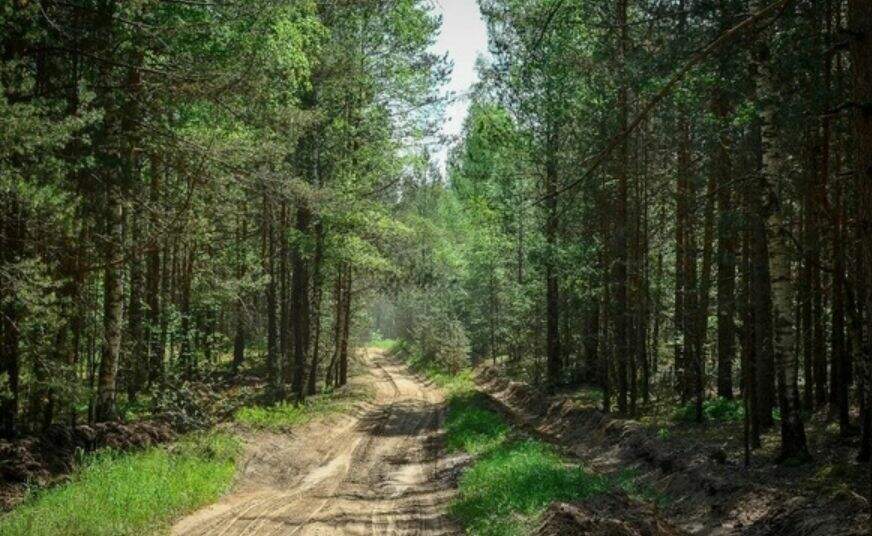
[370, 473]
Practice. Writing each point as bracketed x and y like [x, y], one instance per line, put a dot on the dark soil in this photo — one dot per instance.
[697, 474]
[613, 514]
[39, 461]
[50, 457]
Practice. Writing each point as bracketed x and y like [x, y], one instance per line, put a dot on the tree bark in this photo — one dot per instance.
[726, 282]
[239, 309]
[300, 302]
[274, 362]
[860, 26]
[552, 298]
[317, 296]
[346, 327]
[152, 282]
[622, 228]
[793, 441]
[113, 294]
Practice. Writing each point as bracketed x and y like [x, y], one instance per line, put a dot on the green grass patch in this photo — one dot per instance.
[286, 415]
[513, 480]
[471, 428]
[383, 344]
[507, 489]
[452, 384]
[130, 493]
[716, 410]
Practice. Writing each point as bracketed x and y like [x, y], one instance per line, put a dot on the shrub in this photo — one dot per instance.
[716, 410]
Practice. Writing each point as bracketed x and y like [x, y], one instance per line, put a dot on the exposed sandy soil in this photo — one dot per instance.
[376, 471]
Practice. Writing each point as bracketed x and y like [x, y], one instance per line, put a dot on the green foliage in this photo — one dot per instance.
[505, 491]
[716, 410]
[377, 341]
[117, 494]
[286, 415]
[512, 480]
[471, 428]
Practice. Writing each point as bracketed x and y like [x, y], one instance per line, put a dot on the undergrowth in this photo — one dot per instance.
[382, 344]
[130, 493]
[286, 415]
[716, 410]
[513, 478]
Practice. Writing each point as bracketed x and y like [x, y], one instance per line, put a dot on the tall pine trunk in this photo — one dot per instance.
[113, 295]
[300, 302]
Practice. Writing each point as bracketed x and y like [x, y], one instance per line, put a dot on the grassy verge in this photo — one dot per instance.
[130, 493]
[285, 415]
[383, 344]
[513, 478]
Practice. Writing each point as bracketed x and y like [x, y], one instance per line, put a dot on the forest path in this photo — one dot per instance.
[373, 472]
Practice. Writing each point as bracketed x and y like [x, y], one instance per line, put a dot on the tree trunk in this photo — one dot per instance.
[274, 362]
[552, 299]
[337, 328]
[113, 294]
[748, 343]
[239, 309]
[285, 321]
[317, 293]
[840, 354]
[346, 327]
[702, 299]
[300, 303]
[152, 283]
[186, 348]
[793, 442]
[860, 26]
[138, 358]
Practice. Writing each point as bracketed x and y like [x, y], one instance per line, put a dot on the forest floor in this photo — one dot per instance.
[694, 476]
[376, 469]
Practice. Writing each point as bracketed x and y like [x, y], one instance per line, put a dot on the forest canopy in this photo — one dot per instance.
[667, 201]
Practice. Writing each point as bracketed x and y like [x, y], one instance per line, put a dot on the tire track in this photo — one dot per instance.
[374, 475]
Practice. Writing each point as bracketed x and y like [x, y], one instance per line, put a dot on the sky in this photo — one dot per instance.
[464, 38]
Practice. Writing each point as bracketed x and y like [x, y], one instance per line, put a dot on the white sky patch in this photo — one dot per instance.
[464, 38]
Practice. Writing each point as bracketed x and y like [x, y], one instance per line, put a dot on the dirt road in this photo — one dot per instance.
[374, 472]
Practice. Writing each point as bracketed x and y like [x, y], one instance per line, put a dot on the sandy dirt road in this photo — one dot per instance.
[375, 471]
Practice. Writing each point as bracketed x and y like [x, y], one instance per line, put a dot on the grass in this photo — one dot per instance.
[383, 344]
[130, 493]
[716, 410]
[286, 415]
[513, 479]
[506, 490]
[472, 429]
